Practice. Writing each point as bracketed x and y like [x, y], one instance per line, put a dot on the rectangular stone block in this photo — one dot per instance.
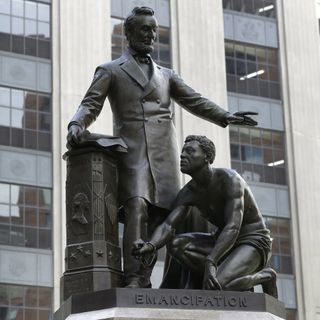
[132, 304]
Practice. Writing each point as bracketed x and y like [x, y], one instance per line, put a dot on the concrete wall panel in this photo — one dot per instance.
[201, 69]
[299, 40]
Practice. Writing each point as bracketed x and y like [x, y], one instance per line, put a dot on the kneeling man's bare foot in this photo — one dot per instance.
[268, 279]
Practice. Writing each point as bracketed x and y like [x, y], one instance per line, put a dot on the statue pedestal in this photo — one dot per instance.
[156, 304]
[92, 255]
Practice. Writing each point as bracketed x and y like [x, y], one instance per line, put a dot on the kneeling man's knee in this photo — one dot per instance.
[176, 247]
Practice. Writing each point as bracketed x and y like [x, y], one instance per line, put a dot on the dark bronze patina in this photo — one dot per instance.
[93, 255]
[140, 93]
[235, 256]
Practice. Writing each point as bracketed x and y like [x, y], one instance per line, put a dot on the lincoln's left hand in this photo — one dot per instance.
[241, 118]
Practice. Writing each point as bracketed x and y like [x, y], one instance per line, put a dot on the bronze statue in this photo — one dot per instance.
[140, 92]
[235, 256]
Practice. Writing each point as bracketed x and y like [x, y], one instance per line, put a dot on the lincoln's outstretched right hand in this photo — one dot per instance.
[74, 133]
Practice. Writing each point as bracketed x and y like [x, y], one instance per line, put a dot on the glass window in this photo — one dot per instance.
[4, 193]
[244, 134]
[31, 216]
[5, 6]
[17, 194]
[31, 297]
[17, 26]
[254, 146]
[43, 30]
[17, 8]
[4, 23]
[44, 49]
[21, 216]
[28, 19]
[235, 152]
[164, 35]
[31, 9]
[281, 260]
[4, 295]
[4, 97]
[45, 297]
[256, 7]
[254, 76]
[30, 28]
[234, 133]
[17, 236]
[18, 44]
[256, 155]
[17, 215]
[31, 237]
[5, 116]
[17, 118]
[44, 103]
[5, 41]
[30, 120]
[4, 212]
[117, 26]
[30, 100]
[17, 99]
[30, 139]
[43, 12]
[31, 46]
[22, 112]
[25, 302]
[45, 239]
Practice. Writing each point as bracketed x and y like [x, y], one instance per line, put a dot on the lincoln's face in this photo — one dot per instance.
[192, 157]
[143, 34]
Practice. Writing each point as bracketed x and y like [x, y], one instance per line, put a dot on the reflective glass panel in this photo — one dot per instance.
[17, 26]
[17, 7]
[30, 28]
[17, 118]
[4, 23]
[4, 116]
[31, 9]
[4, 97]
[43, 12]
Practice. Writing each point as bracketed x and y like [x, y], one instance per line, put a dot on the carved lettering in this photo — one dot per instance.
[174, 300]
[139, 299]
[232, 301]
[163, 300]
[151, 300]
[208, 301]
[184, 300]
[243, 302]
[199, 300]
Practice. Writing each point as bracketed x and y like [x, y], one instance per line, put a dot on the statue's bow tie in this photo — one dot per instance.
[143, 59]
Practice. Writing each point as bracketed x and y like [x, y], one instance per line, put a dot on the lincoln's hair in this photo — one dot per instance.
[137, 11]
[206, 145]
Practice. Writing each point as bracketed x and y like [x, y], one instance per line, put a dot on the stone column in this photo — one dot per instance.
[92, 255]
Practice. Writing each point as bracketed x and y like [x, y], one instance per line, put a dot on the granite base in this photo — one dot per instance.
[134, 304]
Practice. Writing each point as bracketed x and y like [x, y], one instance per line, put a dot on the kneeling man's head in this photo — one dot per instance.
[198, 151]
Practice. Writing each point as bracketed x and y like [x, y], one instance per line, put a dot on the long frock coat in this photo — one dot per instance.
[143, 119]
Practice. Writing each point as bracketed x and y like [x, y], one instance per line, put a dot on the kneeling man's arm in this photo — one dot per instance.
[233, 215]
[162, 234]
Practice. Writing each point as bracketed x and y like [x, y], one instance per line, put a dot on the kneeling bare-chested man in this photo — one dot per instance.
[236, 255]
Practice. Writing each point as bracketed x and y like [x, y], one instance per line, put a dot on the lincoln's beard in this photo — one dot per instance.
[140, 47]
